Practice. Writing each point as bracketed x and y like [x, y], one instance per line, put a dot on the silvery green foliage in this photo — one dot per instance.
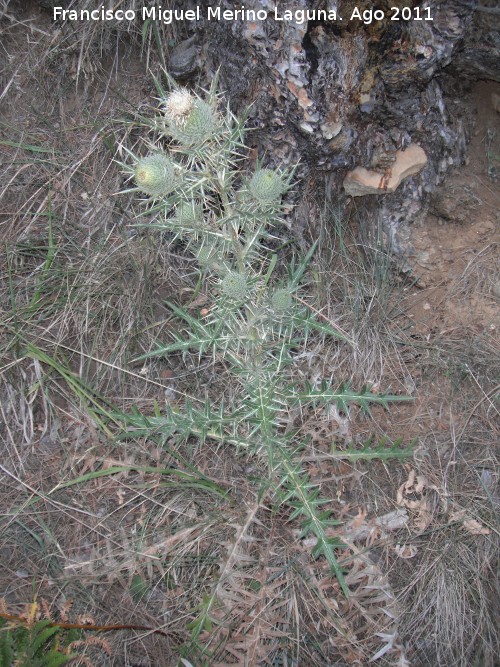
[189, 213]
[206, 256]
[227, 218]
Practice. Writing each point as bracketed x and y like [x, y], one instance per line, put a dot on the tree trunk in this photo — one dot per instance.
[340, 94]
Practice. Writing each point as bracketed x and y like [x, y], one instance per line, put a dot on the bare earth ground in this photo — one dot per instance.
[127, 548]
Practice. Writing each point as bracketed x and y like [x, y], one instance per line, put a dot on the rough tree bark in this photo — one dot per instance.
[344, 94]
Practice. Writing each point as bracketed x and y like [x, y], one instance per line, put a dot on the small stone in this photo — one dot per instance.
[361, 181]
[311, 117]
[300, 93]
[331, 130]
[307, 127]
[183, 59]
[368, 106]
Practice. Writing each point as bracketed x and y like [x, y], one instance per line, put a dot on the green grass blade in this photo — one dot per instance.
[27, 147]
[185, 479]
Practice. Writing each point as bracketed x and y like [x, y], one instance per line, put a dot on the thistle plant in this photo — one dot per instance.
[228, 220]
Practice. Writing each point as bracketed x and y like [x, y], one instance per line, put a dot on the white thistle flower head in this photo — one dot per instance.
[178, 106]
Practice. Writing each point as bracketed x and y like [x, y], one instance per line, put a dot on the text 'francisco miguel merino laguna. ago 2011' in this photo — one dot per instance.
[215, 13]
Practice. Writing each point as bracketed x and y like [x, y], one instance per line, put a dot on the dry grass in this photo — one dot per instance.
[360, 288]
[449, 602]
[130, 541]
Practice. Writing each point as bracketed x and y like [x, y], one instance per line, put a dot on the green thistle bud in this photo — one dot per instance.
[155, 175]
[191, 121]
[235, 286]
[189, 213]
[267, 186]
[281, 300]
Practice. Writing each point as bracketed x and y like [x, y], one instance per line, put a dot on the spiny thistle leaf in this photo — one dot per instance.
[189, 213]
[369, 452]
[306, 503]
[342, 396]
